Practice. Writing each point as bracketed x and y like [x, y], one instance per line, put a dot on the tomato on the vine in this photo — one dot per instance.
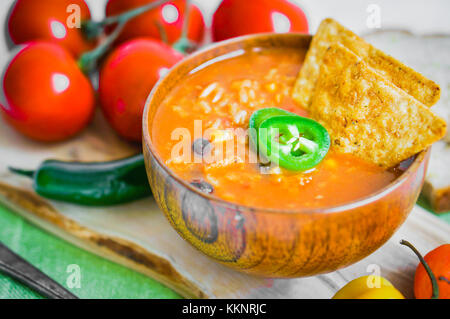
[47, 20]
[48, 98]
[236, 17]
[169, 17]
[126, 79]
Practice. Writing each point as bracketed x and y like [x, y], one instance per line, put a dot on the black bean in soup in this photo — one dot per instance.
[200, 146]
[205, 187]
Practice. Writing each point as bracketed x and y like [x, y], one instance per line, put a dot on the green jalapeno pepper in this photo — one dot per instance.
[295, 143]
[260, 116]
[91, 184]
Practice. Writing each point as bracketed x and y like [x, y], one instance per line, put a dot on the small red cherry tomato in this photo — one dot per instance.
[169, 17]
[236, 17]
[439, 262]
[48, 97]
[47, 20]
[126, 79]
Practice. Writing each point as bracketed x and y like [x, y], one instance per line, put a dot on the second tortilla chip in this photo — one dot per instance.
[367, 115]
[329, 32]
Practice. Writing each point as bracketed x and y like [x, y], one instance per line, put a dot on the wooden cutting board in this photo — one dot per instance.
[138, 236]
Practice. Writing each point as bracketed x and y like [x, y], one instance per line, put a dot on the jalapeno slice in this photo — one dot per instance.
[293, 142]
[260, 116]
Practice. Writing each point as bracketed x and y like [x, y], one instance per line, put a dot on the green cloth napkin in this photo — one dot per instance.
[100, 278]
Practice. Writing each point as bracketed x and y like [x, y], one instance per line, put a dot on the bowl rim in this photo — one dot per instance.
[147, 142]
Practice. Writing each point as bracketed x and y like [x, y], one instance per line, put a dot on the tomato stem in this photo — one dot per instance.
[88, 61]
[183, 44]
[93, 29]
[162, 32]
[434, 283]
[187, 14]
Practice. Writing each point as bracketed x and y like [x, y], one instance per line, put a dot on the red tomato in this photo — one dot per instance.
[126, 79]
[46, 20]
[439, 262]
[170, 16]
[48, 98]
[236, 17]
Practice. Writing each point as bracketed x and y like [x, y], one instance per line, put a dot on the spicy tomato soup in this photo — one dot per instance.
[219, 100]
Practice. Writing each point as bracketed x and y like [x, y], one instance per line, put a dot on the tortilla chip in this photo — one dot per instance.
[330, 31]
[366, 115]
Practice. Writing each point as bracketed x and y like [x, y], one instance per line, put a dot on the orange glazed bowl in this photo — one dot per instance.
[269, 242]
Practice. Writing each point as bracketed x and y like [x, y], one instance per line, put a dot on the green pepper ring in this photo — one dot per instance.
[281, 154]
[260, 116]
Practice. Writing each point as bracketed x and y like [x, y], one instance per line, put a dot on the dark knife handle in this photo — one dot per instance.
[21, 270]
